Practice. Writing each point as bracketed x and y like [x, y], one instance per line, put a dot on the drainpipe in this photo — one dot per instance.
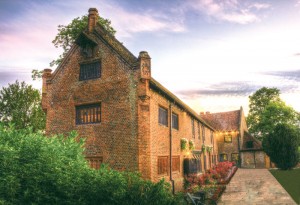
[170, 132]
[239, 150]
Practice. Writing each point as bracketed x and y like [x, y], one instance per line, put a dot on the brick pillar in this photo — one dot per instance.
[46, 76]
[93, 18]
[144, 145]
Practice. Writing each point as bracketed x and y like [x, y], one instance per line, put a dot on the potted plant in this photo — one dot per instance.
[191, 145]
[183, 144]
[203, 149]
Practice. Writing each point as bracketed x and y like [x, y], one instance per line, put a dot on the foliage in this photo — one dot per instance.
[212, 183]
[203, 149]
[191, 145]
[282, 146]
[36, 74]
[21, 104]
[215, 175]
[183, 144]
[289, 179]
[67, 35]
[266, 110]
[35, 169]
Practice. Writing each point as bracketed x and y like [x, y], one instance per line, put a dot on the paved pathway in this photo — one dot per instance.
[255, 187]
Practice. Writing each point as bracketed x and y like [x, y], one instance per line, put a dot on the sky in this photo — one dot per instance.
[212, 54]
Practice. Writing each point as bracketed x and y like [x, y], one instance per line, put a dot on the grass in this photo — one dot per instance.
[290, 180]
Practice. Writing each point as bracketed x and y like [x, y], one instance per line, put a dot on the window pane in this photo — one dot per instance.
[88, 114]
[193, 128]
[223, 157]
[228, 138]
[175, 123]
[163, 116]
[249, 144]
[234, 157]
[90, 71]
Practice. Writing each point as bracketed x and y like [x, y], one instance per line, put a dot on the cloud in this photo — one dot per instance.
[11, 74]
[128, 23]
[238, 89]
[233, 11]
[293, 75]
[260, 6]
[221, 89]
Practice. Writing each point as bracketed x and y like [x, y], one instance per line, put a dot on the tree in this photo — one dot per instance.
[282, 146]
[20, 104]
[67, 34]
[267, 110]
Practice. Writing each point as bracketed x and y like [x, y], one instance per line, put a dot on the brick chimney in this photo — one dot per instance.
[93, 18]
[46, 76]
[145, 65]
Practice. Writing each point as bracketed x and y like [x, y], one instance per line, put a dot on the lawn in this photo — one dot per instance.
[290, 180]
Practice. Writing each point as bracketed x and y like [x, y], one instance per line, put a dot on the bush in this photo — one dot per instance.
[35, 169]
[282, 146]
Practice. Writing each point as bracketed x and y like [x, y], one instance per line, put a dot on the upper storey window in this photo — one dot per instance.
[163, 116]
[175, 123]
[87, 114]
[90, 71]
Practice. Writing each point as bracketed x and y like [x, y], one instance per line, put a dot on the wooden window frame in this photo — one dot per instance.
[95, 161]
[176, 163]
[175, 124]
[235, 154]
[163, 171]
[161, 119]
[92, 117]
[226, 138]
[193, 127]
[203, 133]
[222, 158]
[90, 71]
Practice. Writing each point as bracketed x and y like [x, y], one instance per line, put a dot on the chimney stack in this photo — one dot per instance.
[145, 65]
[93, 18]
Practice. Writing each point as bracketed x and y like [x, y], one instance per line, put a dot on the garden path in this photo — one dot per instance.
[255, 187]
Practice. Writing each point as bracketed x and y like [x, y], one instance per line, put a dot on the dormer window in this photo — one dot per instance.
[90, 71]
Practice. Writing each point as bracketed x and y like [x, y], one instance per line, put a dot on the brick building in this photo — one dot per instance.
[233, 140]
[128, 119]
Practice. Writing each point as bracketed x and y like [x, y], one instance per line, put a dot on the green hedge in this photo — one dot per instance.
[35, 169]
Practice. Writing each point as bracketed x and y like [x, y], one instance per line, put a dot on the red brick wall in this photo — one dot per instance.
[160, 138]
[115, 138]
[227, 147]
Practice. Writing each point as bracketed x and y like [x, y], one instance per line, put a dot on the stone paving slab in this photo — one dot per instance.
[255, 187]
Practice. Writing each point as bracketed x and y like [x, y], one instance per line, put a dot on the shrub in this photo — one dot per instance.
[281, 145]
[35, 169]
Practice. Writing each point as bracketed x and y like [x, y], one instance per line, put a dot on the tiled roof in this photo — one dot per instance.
[223, 121]
[173, 98]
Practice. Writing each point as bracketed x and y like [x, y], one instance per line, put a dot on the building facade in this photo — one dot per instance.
[128, 119]
[234, 141]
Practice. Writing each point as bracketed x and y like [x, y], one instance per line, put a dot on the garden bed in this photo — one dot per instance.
[213, 182]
